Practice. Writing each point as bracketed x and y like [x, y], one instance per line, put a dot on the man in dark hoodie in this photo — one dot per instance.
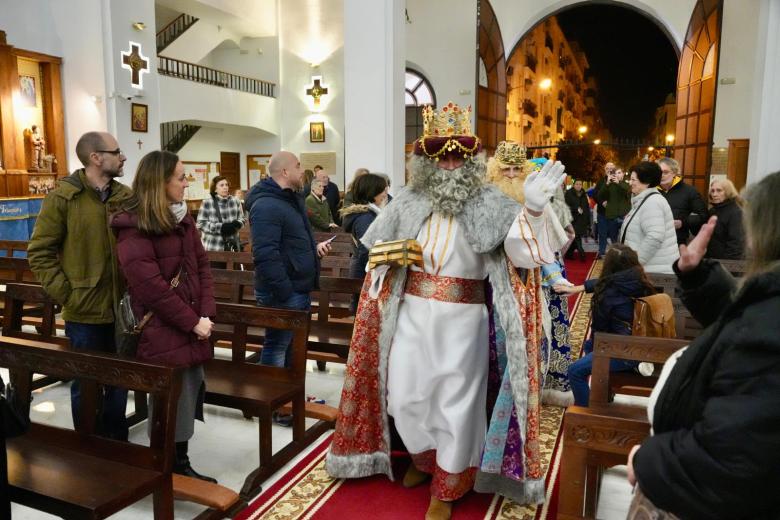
[286, 257]
[688, 207]
[73, 254]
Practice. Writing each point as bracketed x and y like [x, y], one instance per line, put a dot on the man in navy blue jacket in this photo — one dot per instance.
[285, 254]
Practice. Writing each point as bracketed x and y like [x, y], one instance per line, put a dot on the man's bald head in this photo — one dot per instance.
[286, 170]
[279, 162]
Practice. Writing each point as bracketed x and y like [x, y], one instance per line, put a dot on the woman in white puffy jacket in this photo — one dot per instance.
[649, 227]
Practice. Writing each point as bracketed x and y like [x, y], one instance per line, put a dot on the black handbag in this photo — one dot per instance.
[230, 244]
[127, 325]
[15, 421]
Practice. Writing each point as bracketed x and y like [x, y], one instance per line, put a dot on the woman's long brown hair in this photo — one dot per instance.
[619, 257]
[150, 201]
[762, 225]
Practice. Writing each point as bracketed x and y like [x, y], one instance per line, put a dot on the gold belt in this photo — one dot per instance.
[445, 288]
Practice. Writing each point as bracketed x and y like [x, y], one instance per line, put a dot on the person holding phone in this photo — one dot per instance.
[615, 199]
[286, 257]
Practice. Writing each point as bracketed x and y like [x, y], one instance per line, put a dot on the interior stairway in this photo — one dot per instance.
[173, 30]
[173, 136]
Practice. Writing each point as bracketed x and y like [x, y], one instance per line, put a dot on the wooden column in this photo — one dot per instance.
[53, 115]
[11, 143]
[737, 164]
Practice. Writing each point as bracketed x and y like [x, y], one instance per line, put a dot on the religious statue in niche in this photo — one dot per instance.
[35, 151]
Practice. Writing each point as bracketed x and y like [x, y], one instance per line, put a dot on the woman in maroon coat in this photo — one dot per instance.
[156, 241]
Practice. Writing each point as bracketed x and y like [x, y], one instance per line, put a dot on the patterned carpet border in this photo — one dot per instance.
[551, 424]
[300, 493]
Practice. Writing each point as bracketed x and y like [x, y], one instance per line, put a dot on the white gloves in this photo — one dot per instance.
[541, 185]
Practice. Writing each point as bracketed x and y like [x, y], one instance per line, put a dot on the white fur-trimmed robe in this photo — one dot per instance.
[485, 220]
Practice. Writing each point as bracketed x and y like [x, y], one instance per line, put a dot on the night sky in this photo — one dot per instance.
[632, 60]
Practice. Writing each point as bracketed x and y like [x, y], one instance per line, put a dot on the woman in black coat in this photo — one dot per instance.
[715, 451]
[728, 240]
[369, 195]
[577, 200]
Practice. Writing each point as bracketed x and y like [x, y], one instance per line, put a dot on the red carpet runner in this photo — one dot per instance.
[307, 492]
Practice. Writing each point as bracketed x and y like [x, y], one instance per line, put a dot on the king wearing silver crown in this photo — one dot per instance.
[420, 351]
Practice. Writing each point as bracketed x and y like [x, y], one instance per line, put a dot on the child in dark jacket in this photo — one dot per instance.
[612, 309]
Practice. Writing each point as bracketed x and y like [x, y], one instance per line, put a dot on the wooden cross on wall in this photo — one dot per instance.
[136, 63]
[316, 91]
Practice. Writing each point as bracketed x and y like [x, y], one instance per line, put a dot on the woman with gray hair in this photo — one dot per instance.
[715, 410]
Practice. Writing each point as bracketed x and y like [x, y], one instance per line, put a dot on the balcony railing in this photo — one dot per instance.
[200, 74]
[173, 30]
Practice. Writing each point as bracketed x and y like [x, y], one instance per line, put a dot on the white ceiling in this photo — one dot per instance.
[246, 18]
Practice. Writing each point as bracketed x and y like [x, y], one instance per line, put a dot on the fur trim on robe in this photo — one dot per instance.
[361, 444]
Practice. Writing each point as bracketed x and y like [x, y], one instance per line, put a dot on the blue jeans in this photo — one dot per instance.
[276, 348]
[112, 422]
[601, 230]
[608, 228]
[580, 370]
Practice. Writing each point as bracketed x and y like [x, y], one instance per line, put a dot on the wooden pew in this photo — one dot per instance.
[9, 247]
[601, 434]
[77, 474]
[737, 268]
[665, 283]
[329, 336]
[259, 390]
[219, 500]
[22, 299]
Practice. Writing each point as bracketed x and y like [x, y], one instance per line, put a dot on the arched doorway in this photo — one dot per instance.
[491, 98]
[696, 78]
[696, 87]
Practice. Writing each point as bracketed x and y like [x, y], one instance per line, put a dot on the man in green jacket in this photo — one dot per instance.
[72, 253]
[317, 208]
[615, 198]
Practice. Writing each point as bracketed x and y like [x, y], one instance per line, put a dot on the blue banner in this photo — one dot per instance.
[17, 219]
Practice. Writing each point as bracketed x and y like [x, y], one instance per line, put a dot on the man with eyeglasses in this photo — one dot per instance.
[72, 253]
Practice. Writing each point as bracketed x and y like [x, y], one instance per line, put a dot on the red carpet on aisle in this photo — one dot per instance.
[307, 492]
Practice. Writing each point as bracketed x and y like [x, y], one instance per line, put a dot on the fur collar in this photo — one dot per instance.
[354, 209]
[485, 219]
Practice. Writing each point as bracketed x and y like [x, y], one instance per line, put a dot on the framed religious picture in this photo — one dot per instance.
[27, 91]
[317, 132]
[139, 117]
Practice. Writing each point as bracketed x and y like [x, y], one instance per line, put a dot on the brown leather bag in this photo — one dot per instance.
[654, 316]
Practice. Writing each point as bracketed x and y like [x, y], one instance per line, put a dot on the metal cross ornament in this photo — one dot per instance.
[139, 143]
[316, 91]
[136, 63]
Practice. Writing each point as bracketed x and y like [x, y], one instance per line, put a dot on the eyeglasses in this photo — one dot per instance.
[118, 151]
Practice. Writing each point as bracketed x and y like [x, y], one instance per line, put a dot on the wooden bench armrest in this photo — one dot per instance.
[607, 347]
[204, 493]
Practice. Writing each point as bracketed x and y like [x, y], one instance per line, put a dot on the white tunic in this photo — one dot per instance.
[437, 373]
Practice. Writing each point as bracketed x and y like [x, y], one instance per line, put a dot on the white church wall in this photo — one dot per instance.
[765, 108]
[739, 38]
[441, 43]
[516, 17]
[71, 30]
[190, 101]
[374, 63]
[260, 58]
[312, 33]
[206, 145]
[117, 34]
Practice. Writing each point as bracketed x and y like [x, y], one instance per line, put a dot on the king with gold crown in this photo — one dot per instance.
[420, 352]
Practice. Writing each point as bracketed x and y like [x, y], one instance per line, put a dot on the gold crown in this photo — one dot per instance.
[450, 120]
[510, 153]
